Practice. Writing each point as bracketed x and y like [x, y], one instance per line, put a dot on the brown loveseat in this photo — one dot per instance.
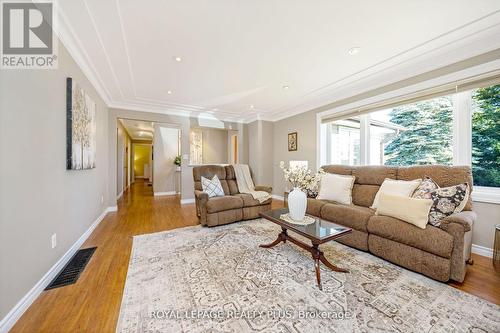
[438, 252]
[232, 207]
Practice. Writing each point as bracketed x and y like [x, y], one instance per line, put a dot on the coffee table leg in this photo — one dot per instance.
[316, 254]
[328, 264]
[281, 238]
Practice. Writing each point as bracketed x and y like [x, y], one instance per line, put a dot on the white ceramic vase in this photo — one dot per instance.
[297, 204]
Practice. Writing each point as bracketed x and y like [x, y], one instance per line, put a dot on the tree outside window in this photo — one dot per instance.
[486, 136]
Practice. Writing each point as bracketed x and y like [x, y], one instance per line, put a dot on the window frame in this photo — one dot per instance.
[462, 141]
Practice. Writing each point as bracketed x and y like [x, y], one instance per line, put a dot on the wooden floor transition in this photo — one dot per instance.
[93, 303]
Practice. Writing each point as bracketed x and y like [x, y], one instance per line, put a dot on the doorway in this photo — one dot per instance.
[147, 152]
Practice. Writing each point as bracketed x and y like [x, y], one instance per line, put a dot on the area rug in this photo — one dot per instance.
[200, 279]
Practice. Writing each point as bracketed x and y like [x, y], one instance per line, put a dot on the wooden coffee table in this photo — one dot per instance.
[319, 232]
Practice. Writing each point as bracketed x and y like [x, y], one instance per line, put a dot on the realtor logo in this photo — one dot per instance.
[27, 35]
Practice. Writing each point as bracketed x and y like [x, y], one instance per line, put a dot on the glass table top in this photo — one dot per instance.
[320, 229]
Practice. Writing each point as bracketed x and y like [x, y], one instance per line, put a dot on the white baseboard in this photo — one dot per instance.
[482, 251]
[119, 195]
[187, 201]
[157, 194]
[17, 311]
[278, 197]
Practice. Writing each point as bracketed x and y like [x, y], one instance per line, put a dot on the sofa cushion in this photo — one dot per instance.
[411, 210]
[231, 180]
[431, 239]
[443, 175]
[336, 187]
[352, 216]
[212, 187]
[402, 188]
[314, 206]
[219, 204]
[363, 195]
[373, 174]
[249, 201]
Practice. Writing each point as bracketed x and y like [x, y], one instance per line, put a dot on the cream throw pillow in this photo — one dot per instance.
[336, 188]
[402, 188]
[411, 210]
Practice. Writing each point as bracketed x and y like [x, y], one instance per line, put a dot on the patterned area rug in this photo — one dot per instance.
[201, 279]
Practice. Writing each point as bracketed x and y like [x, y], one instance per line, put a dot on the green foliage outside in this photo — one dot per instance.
[428, 135]
[486, 136]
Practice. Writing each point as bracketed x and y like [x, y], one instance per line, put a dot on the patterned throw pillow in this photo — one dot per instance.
[447, 200]
[212, 187]
[425, 188]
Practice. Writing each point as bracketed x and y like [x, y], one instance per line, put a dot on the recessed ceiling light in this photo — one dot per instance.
[286, 87]
[252, 106]
[354, 50]
[169, 92]
[178, 59]
[215, 109]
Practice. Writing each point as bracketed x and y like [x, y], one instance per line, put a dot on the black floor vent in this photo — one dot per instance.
[71, 272]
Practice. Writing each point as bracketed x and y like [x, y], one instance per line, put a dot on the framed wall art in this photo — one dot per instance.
[292, 141]
[80, 128]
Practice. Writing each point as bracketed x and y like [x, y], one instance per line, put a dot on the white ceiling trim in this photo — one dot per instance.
[75, 48]
[108, 59]
[125, 42]
[395, 68]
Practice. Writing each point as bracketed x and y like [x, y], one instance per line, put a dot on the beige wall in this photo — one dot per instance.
[488, 215]
[38, 196]
[141, 157]
[123, 145]
[260, 151]
[166, 148]
[305, 126]
[215, 146]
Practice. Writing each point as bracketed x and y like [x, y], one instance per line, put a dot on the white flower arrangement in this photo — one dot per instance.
[302, 178]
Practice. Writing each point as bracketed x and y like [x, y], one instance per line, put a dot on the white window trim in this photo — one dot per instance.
[462, 141]
[486, 194]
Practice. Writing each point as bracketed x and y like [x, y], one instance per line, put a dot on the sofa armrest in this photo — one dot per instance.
[459, 226]
[201, 199]
[200, 195]
[466, 219]
[264, 188]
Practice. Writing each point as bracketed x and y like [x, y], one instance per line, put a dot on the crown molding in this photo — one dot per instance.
[75, 48]
[469, 40]
[472, 39]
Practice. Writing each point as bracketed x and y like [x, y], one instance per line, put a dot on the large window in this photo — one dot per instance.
[417, 133]
[423, 132]
[486, 136]
[343, 141]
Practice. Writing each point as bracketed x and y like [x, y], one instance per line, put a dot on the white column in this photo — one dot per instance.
[462, 128]
[364, 139]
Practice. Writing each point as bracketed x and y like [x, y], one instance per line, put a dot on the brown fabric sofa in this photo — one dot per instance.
[232, 207]
[438, 252]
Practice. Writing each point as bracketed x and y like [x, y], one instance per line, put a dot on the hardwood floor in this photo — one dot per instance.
[93, 303]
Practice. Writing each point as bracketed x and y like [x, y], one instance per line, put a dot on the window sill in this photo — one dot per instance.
[486, 194]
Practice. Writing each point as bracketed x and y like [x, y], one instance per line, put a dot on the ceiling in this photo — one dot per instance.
[237, 57]
[138, 130]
